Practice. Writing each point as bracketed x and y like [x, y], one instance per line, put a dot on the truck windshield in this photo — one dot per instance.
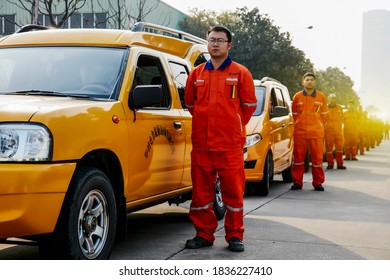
[88, 72]
[260, 95]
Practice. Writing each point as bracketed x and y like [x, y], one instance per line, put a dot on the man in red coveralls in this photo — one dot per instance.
[221, 98]
[309, 109]
[334, 133]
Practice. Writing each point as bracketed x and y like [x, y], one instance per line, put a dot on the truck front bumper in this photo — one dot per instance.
[31, 197]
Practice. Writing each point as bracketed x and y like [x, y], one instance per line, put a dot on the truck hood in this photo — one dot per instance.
[22, 108]
[254, 124]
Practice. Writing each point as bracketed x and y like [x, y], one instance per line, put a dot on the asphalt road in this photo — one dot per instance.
[349, 221]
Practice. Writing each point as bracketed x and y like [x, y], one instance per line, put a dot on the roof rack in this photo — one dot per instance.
[166, 31]
[269, 79]
[31, 27]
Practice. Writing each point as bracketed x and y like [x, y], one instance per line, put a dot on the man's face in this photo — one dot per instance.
[219, 46]
[332, 100]
[309, 82]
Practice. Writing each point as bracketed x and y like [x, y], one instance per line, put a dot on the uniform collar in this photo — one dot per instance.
[226, 63]
[312, 95]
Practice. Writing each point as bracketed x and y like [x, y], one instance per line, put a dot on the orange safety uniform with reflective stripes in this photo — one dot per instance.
[334, 135]
[309, 112]
[351, 133]
[221, 102]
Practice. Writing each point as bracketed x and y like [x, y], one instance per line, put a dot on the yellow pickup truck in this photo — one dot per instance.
[92, 126]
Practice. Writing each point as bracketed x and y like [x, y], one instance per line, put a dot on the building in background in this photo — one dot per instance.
[375, 73]
[119, 14]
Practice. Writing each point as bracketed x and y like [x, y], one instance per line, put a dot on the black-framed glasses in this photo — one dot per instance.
[219, 41]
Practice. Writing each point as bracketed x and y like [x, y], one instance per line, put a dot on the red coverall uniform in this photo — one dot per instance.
[334, 135]
[309, 112]
[351, 133]
[221, 102]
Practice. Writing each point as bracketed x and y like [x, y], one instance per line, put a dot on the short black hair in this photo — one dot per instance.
[221, 29]
[310, 74]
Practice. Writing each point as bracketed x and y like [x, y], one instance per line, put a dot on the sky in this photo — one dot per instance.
[335, 39]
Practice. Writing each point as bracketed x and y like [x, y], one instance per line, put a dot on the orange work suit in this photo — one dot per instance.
[362, 132]
[221, 102]
[309, 112]
[334, 135]
[351, 133]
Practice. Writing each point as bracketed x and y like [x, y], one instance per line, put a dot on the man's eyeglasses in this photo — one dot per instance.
[219, 41]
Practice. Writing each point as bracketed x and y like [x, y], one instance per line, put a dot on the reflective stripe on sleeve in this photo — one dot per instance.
[249, 104]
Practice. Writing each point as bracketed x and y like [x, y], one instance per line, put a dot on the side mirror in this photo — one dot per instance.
[279, 111]
[146, 96]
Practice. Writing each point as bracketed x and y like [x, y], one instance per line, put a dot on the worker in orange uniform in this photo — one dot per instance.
[351, 131]
[310, 110]
[221, 98]
[362, 130]
[334, 133]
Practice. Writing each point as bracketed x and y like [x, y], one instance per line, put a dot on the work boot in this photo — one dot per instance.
[319, 188]
[296, 187]
[341, 167]
[329, 167]
[197, 242]
[236, 244]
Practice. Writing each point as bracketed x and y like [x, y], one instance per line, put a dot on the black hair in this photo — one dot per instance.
[309, 74]
[221, 29]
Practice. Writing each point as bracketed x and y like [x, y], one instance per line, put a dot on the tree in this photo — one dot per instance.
[333, 80]
[58, 11]
[117, 12]
[198, 22]
[141, 10]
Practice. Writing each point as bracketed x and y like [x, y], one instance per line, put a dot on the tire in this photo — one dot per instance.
[268, 177]
[87, 223]
[287, 174]
[218, 206]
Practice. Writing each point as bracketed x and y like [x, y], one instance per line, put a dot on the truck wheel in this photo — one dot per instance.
[268, 176]
[218, 207]
[87, 223]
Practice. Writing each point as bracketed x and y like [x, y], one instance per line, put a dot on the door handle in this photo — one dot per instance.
[177, 125]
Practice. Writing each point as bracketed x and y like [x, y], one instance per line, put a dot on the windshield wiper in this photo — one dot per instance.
[46, 92]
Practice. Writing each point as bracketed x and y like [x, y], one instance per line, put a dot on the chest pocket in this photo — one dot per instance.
[199, 83]
[317, 106]
[300, 107]
[231, 85]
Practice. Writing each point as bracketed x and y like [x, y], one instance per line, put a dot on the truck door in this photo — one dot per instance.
[157, 142]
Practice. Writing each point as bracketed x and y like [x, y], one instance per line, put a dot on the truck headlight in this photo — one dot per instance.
[24, 142]
[252, 140]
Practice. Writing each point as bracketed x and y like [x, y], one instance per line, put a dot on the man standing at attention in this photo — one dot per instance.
[334, 133]
[351, 131]
[310, 110]
[221, 98]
